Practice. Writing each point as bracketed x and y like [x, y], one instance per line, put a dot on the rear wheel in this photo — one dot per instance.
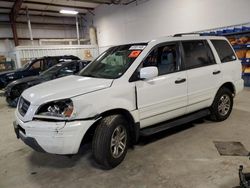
[222, 105]
[110, 141]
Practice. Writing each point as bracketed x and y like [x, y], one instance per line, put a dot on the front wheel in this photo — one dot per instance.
[110, 141]
[222, 105]
[12, 102]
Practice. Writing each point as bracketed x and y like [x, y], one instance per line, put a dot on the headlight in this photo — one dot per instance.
[61, 109]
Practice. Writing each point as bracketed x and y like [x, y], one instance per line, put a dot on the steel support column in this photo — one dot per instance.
[29, 26]
[13, 15]
[77, 30]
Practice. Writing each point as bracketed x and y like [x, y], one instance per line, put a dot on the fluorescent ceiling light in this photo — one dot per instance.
[68, 12]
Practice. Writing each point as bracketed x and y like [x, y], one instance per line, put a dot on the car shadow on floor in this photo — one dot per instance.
[59, 161]
[69, 161]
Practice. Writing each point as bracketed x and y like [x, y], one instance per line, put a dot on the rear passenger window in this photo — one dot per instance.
[48, 62]
[224, 50]
[197, 54]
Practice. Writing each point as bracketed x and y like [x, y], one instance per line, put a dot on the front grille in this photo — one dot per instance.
[23, 106]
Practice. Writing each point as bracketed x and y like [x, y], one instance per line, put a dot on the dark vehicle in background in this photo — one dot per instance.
[34, 67]
[15, 88]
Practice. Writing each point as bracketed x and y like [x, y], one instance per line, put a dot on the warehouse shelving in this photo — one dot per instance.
[245, 61]
[241, 46]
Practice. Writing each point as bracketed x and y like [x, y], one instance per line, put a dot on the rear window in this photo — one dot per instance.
[224, 50]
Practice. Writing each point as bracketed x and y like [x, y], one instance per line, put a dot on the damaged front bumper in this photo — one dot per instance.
[52, 137]
[20, 133]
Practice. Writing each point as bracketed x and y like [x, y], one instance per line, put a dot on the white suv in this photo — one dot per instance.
[128, 91]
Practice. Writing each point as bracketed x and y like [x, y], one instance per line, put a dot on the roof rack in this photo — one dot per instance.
[182, 34]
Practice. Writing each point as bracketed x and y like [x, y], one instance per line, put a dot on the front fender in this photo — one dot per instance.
[95, 103]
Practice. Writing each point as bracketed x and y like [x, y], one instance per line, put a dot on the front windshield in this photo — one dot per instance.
[26, 65]
[52, 70]
[114, 62]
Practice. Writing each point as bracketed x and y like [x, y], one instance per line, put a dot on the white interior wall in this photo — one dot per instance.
[155, 18]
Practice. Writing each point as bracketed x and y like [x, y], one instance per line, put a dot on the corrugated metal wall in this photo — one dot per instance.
[23, 53]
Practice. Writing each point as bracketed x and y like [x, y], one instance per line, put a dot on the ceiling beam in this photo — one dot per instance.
[6, 8]
[25, 38]
[12, 1]
[95, 1]
[44, 16]
[38, 23]
[40, 10]
[37, 10]
[13, 15]
[106, 1]
[84, 1]
[48, 11]
[32, 9]
[57, 5]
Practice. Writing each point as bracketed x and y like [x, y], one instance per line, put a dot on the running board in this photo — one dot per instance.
[175, 122]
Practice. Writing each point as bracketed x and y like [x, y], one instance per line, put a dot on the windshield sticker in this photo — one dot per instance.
[137, 47]
[134, 54]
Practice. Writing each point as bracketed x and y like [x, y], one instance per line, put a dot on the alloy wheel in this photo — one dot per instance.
[224, 105]
[118, 141]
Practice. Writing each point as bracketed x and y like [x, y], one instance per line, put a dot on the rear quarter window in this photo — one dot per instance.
[224, 50]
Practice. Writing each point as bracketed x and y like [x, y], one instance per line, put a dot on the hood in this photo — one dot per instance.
[7, 72]
[31, 80]
[62, 88]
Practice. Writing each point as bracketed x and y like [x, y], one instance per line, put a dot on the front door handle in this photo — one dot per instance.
[180, 80]
[216, 72]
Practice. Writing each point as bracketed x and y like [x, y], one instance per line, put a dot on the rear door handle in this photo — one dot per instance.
[180, 80]
[216, 72]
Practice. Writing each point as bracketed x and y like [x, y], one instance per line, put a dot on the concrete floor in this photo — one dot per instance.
[181, 158]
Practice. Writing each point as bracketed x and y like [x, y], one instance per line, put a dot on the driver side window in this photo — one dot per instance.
[36, 65]
[164, 57]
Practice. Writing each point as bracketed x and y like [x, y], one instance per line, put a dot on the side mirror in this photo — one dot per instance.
[148, 72]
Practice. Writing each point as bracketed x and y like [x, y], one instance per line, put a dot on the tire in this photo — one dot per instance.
[16, 92]
[108, 153]
[222, 105]
[12, 102]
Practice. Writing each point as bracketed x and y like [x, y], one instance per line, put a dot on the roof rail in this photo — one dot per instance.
[181, 34]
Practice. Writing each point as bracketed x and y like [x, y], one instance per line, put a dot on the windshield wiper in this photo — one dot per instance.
[90, 75]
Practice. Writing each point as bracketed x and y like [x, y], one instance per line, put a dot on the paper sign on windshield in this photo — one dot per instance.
[134, 54]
